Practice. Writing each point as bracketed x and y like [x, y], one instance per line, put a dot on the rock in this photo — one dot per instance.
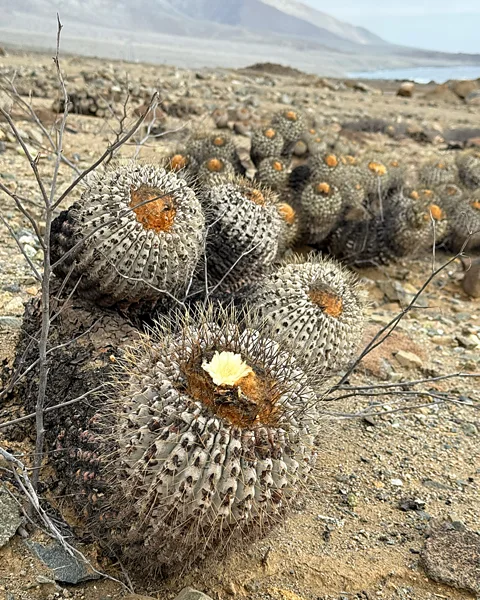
[189, 593]
[463, 88]
[10, 323]
[406, 504]
[471, 279]
[408, 359]
[442, 93]
[66, 568]
[396, 482]
[406, 89]
[473, 98]
[468, 341]
[453, 558]
[10, 519]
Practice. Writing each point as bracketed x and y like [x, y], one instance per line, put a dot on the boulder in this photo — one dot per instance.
[406, 89]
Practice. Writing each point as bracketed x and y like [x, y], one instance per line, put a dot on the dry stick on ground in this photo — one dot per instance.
[21, 477]
[50, 205]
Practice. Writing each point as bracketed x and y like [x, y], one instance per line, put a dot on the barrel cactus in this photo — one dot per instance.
[243, 233]
[266, 142]
[316, 308]
[135, 235]
[211, 431]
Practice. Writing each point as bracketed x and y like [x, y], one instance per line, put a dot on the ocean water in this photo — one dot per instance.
[422, 74]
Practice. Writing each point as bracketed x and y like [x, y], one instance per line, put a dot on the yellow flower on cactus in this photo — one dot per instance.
[227, 368]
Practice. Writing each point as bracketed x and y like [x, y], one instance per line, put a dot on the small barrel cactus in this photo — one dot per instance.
[469, 169]
[415, 223]
[243, 234]
[376, 179]
[273, 173]
[290, 124]
[135, 235]
[218, 145]
[437, 172]
[321, 208]
[266, 142]
[212, 430]
[214, 171]
[316, 308]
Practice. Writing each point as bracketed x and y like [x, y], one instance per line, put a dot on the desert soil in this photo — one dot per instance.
[348, 538]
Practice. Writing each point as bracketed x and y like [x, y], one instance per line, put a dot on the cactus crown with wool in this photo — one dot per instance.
[266, 142]
[290, 124]
[213, 427]
[136, 234]
[316, 308]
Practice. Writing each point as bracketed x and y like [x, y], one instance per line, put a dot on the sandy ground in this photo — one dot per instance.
[349, 538]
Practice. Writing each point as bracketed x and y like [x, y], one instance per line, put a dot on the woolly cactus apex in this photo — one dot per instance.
[321, 208]
[316, 309]
[437, 172]
[135, 235]
[213, 428]
[214, 171]
[266, 142]
[272, 172]
[323, 166]
[376, 178]
[181, 162]
[290, 227]
[415, 224]
[290, 124]
[469, 169]
[243, 234]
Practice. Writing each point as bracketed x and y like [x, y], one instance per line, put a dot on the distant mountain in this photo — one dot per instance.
[205, 18]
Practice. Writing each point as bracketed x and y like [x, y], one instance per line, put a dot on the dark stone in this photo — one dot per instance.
[66, 568]
[10, 519]
[453, 557]
[406, 504]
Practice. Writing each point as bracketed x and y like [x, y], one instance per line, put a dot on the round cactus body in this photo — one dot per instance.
[315, 308]
[469, 169]
[415, 224]
[376, 179]
[321, 208]
[266, 142]
[217, 145]
[290, 124]
[243, 234]
[361, 242]
[213, 429]
[438, 172]
[135, 235]
[214, 171]
[273, 173]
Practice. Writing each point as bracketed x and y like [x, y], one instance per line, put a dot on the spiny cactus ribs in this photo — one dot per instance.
[136, 234]
[244, 226]
[316, 308]
[213, 430]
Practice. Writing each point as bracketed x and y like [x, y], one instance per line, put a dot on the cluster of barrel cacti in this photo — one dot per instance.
[209, 431]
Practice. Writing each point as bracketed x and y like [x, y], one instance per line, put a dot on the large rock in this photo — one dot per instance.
[473, 98]
[442, 93]
[463, 88]
[10, 519]
[453, 557]
[406, 89]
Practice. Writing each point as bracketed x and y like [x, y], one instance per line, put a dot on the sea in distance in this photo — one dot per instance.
[422, 74]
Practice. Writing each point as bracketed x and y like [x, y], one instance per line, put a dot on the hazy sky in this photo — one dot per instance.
[450, 25]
